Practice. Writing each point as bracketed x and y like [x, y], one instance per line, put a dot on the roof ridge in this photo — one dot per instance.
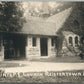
[32, 21]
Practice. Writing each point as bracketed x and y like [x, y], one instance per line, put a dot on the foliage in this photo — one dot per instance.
[75, 22]
[59, 42]
[11, 16]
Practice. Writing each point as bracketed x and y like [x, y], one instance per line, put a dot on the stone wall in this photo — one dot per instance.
[31, 51]
[34, 52]
[1, 50]
[67, 48]
[51, 49]
[2, 54]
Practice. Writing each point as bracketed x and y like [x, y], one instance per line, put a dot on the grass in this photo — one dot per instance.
[66, 59]
[5, 65]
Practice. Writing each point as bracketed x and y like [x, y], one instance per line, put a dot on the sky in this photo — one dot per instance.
[41, 6]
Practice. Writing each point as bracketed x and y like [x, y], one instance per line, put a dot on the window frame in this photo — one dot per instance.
[34, 41]
[70, 41]
[52, 42]
[76, 43]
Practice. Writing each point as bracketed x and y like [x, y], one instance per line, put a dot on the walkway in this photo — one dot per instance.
[43, 66]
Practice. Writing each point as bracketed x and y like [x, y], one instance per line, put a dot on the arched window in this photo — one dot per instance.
[82, 40]
[76, 40]
[70, 41]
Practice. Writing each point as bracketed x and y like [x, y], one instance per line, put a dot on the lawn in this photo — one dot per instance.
[66, 59]
[7, 65]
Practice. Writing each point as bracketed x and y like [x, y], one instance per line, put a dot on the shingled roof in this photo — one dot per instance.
[60, 18]
[41, 28]
[47, 26]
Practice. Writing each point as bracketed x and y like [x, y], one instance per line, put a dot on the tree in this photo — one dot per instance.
[75, 22]
[11, 16]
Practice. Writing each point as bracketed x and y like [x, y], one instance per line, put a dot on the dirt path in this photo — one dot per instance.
[44, 66]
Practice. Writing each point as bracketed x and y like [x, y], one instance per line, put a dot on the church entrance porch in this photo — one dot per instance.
[14, 46]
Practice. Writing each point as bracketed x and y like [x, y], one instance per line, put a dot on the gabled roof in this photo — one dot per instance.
[47, 26]
[60, 18]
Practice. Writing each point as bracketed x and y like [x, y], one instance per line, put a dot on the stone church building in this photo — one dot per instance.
[37, 39]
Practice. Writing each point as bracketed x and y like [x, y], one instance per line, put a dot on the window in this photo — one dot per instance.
[70, 41]
[34, 41]
[76, 40]
[52, 41]
[82, 40]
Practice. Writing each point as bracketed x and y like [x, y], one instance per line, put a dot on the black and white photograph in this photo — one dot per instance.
[41, 42]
